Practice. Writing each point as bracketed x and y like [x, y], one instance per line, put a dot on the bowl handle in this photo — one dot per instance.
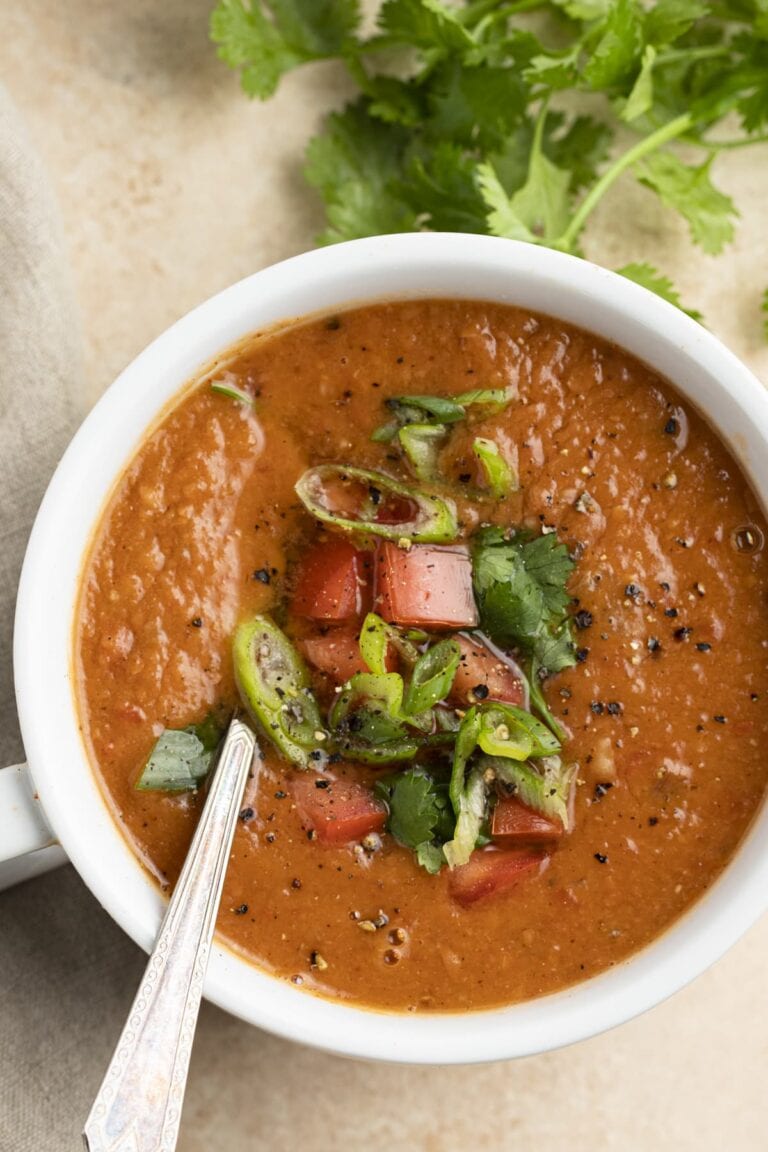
[23, 827]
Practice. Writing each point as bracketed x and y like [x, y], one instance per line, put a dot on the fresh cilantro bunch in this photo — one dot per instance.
[465, 119]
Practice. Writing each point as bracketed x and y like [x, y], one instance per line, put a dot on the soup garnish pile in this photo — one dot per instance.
[503, 646]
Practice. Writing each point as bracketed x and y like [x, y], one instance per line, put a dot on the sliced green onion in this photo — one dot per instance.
[500, 477]
[466, 742]
[544, 786]
[370, 503]
[178, 762]
[366, 720]
[375, 638]
[495, 398]
[432, 677]
[224, 388]
[421, 445]
[472, 810]
[413, 409]
[539, 704]
[274, 685]
[506, 730]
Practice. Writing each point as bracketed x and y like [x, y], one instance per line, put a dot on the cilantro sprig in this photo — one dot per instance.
[466, 118]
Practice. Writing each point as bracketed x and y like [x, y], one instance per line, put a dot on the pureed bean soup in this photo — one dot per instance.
[625, 550]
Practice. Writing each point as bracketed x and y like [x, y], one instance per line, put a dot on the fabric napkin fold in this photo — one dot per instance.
[67, 973]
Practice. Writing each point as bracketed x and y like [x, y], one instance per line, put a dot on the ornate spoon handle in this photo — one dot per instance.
[138, 1107]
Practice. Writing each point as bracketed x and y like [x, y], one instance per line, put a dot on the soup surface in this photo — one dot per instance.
[663, 710]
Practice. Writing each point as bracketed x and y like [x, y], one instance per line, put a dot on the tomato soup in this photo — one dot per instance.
[494, 596]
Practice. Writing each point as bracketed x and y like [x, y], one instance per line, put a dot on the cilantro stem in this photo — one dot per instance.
[741, 142]
[644, 147]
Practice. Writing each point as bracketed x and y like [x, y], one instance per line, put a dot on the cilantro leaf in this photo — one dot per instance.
[267, 39]
[618, 47]
[646, 275]
[425, 24]
[420, 813]
[356, 170]
[520, 587]
[538, 212]
[708, 211]
[668, 20]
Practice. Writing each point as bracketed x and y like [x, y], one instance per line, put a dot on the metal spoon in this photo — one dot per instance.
[138, 1106]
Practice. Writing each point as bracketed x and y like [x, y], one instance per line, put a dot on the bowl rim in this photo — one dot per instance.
[351, 274]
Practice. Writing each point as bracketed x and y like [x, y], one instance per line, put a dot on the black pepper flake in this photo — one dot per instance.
[355, 723]
[400, 360]
[480, 691]
[583, 619]
[240, 910]
[581, 655]
[632, 590]
[270, 837]
[601, 859]
[753, 696]
[280, 795]
[671, 612]
[681, 542]
[311, 834]
[296, 883]
[653, 821]
[672, 427]
[653, 644]
[347, 393]
[703, 647]
[664, 586]
[196, 622]
[316, 754]
[333, 324]
[719, 719]
[375, 495]
[322, 783]
[262, 575]
[601, 790]
[246, 815]
[597, 707]
[465, 477]
[682, 633]
[699, 727]
[614, 708]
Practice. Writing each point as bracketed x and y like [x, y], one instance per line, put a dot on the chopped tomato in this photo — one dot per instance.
[425, 586]
[337, 654]
[489, 871]
[333, 582]
[514, 823]
[496, 677]
[337, 811]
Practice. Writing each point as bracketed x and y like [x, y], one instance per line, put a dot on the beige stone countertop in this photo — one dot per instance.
[172, 185]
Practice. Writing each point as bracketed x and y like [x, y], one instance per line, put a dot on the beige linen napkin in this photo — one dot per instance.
[67, 973]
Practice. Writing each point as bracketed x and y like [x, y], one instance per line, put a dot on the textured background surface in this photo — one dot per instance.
[171, 185]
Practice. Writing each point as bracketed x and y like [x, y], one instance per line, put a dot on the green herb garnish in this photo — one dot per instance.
[455, 127]
[520, 588]
[181, 758]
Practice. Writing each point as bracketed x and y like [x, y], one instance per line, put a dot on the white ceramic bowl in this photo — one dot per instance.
[391, 267]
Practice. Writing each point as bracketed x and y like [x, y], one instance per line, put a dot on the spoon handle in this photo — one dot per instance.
[138, 1106]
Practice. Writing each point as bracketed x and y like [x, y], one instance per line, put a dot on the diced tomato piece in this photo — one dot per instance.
[481, 667]
[514, 823]
[490, 871]
[337, 654]
[337, 811]
[334, 582]
[425, 586]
